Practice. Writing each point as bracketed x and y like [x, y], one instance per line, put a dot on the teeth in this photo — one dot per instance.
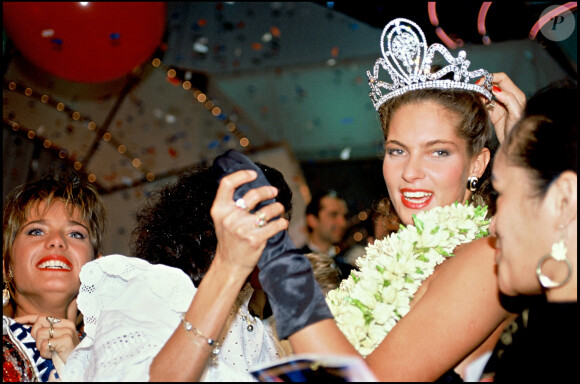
[416, 194]
[54, 264]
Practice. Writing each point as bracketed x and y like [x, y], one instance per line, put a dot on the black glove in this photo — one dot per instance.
[285, 273]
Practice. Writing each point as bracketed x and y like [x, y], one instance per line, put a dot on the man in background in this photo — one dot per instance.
[326, 223]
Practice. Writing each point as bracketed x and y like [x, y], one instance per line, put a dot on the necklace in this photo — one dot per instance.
[371, 300]
[247, 318]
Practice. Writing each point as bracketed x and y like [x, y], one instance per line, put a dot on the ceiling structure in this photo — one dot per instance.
[235, 35]
[299, 69]
[292, 72]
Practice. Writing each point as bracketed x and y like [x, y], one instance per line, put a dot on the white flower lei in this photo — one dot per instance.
[368, 304]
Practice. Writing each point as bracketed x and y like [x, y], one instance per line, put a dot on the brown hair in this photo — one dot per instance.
[325, 270]
[474, 126]
[76, 194]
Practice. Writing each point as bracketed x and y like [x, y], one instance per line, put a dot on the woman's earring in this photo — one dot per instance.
[5, 295]
[559, 251]
[6, 291]
[472, 183]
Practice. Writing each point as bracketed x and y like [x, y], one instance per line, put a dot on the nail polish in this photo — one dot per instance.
[496, 89]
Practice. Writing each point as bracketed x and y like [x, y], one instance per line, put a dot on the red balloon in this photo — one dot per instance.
[85, 42]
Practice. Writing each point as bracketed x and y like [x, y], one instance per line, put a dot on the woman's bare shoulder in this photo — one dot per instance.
[477, 252]
[465, 265]
[456, 310]
[472, 268]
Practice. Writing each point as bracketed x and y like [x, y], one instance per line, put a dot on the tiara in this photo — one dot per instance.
[408, 62]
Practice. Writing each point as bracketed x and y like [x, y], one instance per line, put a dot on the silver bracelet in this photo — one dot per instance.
[214, 345]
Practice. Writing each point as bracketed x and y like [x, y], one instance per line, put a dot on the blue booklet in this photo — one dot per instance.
[313, 367]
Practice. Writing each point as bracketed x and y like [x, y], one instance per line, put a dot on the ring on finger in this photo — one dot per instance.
[51, 331]
[261, 221]
[52, 320]
[241, 203]
[491, 105]
[50, 347]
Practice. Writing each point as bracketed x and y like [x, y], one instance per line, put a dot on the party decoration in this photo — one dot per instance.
[85, 41]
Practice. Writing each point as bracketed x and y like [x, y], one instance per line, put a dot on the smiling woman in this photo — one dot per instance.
[423, 144]
[438, 138]
[435, 141]
[51, 229]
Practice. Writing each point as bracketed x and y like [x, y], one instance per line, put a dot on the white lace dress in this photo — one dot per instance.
[132, 307]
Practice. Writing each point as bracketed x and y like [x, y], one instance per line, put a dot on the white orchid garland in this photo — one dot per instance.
[368, 304]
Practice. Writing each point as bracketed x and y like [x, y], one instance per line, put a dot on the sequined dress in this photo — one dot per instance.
[22, 361]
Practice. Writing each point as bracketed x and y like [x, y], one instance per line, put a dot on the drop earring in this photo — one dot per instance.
[472, 183]
[558, 254]
[6, 291]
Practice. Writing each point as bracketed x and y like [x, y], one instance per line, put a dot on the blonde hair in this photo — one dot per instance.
[76, 193]
[325, 270]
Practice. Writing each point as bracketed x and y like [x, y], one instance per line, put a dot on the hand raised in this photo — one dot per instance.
[61, 337]
[508, 107]
[241, 234]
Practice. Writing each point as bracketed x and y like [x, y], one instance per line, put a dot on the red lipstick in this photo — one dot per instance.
[55, 263]
[416, 198]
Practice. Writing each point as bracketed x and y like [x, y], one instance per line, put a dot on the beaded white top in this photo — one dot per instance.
[132, 307]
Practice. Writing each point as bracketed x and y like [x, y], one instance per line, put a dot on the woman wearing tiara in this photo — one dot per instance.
[438, 146]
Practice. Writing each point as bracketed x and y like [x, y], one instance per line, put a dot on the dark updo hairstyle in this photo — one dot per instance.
[175, 227]
[545, 141]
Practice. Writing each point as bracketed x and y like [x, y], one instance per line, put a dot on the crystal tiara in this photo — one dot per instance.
[408, 61]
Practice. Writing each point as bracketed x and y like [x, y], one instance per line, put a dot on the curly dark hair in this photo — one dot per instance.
[175, 227]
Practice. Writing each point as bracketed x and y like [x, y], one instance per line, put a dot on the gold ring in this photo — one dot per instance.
[52, 320]
[261, 221]
[50, 331]
[50, 347]
[491, 105]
